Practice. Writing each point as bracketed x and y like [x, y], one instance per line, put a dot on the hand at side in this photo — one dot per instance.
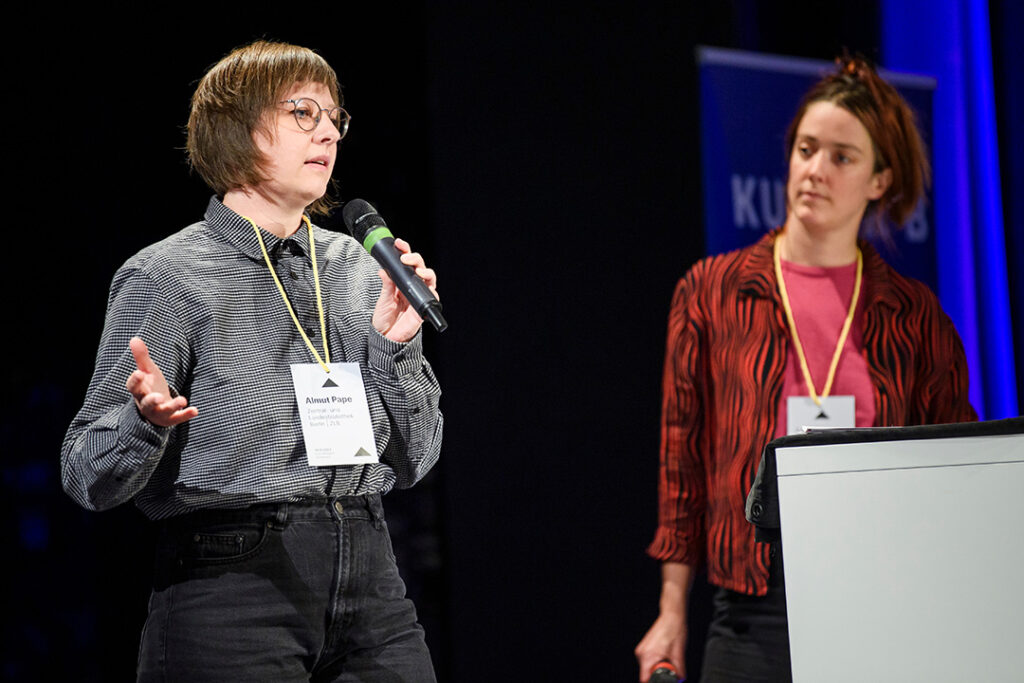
[666, 639]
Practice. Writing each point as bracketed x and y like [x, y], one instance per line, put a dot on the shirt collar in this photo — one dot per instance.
[238, 232]
[757, 273]
[757, 270]
[877, 279]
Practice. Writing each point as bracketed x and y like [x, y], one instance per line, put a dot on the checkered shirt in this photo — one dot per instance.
[215, 324]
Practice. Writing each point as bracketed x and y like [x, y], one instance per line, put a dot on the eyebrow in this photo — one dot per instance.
[309, 97]
[840, 145]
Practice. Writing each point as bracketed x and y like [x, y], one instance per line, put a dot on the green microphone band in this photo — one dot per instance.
[375, 236]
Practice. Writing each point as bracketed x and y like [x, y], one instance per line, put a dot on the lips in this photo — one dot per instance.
[808, 194]
[320, 161]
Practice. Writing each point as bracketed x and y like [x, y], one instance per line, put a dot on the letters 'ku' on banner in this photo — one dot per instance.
[747, 100]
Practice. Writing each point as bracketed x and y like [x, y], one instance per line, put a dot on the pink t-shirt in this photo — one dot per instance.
[820, 299]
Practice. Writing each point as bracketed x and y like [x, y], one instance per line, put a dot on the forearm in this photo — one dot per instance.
[676, 581]
[684, 436]
[107, 460]
[411, 394]
[942, 384]
[110, 451]
[666, 639]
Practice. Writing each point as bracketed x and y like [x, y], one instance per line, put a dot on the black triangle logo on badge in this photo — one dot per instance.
[821, 416]
[330, 383]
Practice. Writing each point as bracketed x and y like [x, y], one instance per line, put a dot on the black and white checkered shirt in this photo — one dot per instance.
[215, 324]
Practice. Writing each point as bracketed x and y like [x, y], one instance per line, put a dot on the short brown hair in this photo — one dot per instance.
[230, 105]
[891, 124]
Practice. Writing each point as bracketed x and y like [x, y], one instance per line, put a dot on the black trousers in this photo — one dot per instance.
[748, 640]
[283, 592]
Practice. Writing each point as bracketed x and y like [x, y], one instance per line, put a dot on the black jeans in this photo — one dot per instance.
[748, 640]
[281, 592]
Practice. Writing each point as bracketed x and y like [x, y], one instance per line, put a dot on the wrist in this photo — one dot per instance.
[396, 357]
[672, 611]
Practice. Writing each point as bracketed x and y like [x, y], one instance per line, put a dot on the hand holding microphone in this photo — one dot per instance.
[369, 228]
[660, 653]
[664, 672]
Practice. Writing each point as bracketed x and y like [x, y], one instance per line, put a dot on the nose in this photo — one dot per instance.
[816, 164]
[326, 132]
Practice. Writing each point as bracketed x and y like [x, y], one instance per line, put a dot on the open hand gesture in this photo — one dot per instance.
[151, 393]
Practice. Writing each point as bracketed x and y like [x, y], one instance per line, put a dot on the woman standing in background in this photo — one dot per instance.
[808, 321]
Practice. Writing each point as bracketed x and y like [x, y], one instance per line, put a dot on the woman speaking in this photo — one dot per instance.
[808, 321]
[308, 398]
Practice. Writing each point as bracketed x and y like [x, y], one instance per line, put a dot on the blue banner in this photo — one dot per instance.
[747, 101]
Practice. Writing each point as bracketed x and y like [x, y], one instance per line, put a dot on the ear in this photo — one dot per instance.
[880, 183]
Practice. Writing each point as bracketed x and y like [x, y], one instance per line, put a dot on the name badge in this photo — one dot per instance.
[835, 412]
[335, 415]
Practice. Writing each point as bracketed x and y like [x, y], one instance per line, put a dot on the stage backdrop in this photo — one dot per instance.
[747, 98]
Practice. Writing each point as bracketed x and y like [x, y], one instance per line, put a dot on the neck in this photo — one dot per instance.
[828, 250]
[276, 218]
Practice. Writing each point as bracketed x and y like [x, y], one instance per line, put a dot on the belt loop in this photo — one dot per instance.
[281, 516]
[373, 504]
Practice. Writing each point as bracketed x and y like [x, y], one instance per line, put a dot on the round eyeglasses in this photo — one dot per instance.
[308, 112]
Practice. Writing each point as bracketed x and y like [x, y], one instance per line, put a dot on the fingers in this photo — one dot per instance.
[415, 260]
[393, 317]
[182, 416]
[141, 352]
[151, 393]
[165, 412]
[646, 659]
[156, 403]
[428, 276]
[388, 288]
[136, 385]
[650, 664]
[389, 291]
[664, 642]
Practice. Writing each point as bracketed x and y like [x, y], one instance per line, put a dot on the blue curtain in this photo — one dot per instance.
[950, 40]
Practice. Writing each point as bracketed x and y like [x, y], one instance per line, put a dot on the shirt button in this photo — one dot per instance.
[293, 275]
[339, 507]
[310, 332]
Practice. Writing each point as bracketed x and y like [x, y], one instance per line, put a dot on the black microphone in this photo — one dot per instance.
[369, 228]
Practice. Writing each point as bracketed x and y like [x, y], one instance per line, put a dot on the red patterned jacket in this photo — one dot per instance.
[724, 363]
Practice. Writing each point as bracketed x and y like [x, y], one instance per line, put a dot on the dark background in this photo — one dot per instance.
[544, 158]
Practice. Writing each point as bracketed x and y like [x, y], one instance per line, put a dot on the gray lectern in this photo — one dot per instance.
[904, 550]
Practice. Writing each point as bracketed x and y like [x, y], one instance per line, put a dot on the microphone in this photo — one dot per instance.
[369, 228]
[664, 672]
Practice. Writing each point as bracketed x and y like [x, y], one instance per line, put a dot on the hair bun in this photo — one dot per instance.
[854, 66]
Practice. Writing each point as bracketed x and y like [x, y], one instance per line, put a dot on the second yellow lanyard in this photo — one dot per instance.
[796, 337]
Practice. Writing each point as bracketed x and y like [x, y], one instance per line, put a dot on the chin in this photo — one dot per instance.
[809, 219]
[311, 197]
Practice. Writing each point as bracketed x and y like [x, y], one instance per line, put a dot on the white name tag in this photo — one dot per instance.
[335, 416]
[835, 412]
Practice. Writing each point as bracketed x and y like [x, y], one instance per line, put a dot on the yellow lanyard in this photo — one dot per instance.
[316, 285]
[796, 338]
